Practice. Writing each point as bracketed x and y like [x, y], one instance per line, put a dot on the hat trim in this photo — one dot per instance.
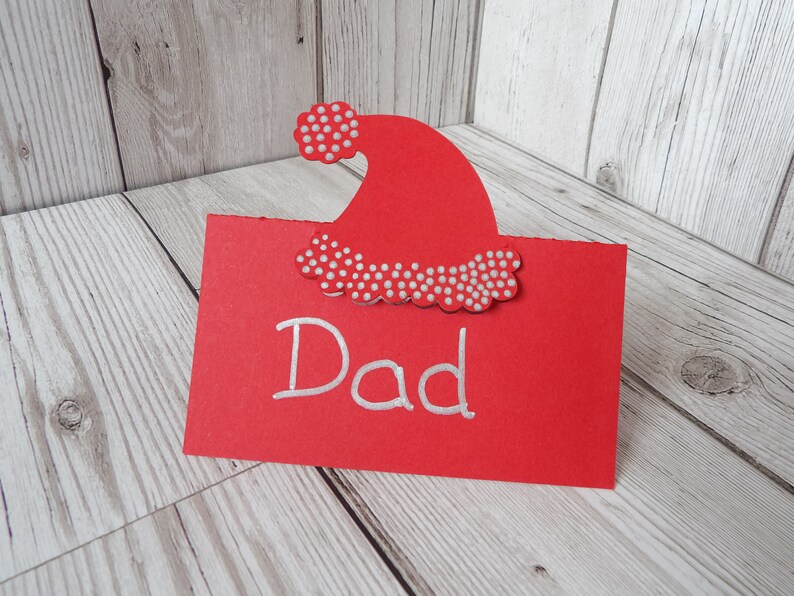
[474, 285]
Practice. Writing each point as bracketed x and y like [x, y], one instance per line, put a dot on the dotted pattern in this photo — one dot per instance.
[473, 286]
[328, 132]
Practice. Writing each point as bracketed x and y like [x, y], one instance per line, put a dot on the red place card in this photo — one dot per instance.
[527, 391]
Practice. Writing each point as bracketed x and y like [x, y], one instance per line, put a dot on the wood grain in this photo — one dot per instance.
[412, 58]
[271, 530]
[690, 514]
[95, 354]
[198, 86]
[778, 253]
[538, 74]
[56, 139]
[694, 116]
[687, 516]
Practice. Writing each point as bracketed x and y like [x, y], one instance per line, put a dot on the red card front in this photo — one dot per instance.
[527, 391]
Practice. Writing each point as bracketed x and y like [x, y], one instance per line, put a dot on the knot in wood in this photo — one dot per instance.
[24, 152]
[70, 414]
[608, 176]
[710, 374]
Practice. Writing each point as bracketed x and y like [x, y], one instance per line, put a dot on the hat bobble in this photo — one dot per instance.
[328, 132]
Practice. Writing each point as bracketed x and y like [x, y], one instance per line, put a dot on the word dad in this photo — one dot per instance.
[401, 401]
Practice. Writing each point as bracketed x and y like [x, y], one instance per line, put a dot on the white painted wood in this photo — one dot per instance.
[95, 353]
[687, 516]
[694, 115]
[56, 139]
[538, 74]
[778, 254]
[201, 86]
[413, 58]
[272, 530]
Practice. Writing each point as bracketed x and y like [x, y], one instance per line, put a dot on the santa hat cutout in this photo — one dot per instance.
[420, 228]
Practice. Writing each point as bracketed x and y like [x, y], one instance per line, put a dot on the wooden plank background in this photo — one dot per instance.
[683, 107]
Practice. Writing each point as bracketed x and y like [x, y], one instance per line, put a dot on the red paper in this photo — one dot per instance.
[541, 371]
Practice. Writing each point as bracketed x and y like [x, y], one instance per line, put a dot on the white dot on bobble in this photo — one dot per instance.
[323, 258]
[453, 270]
[337, 136]
[359, 266]
[348, 262]
[315, 127]
[499, 254]
[323, 119]
[358, 256]
[516, 264]
[305, 269]
[309, 252]
[346, 143]
[484, 300]
[335, 107]
[478, 258]
[319, 270]
[311, 118]
[366, 276]
[508, 293]
[313, 262]
[334, 148]
[360, 285]
[415, 266]
[342, 273]
[417, 295]
[346, 250]
[395, 274]
[511, 282]
[481, 267]
[448, 300]
[321, 148]
[412, 285]
[379, 275]
[324, 285]
[401, 284]
[340, 285]
[431, 297]
[321, 109]
[309, 149]
[459, 297]
[344, 128]
[389, 293]
[503, 275]
[307, 138]
[384, 267]
[437, 289]
[448, 291]
[477, 307]
[330, 275]
[440, 268]
[503, 263]
[509, 254]
[337, 118]
[320, 137]
[469, 301]
[327, 128]
[489, 254]
[353, 134]
[420, 276]
[354, 294]
[304, 128]
[387, 283]
[349, 114]
[374, 287]
[353, 123]
[423, 287]
[300, 258]
[398, 266]
[329, 156]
